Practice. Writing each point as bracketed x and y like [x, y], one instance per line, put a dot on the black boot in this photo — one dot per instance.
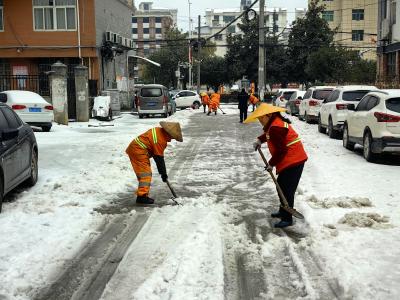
[208, 113]
[276, 214]
[215, 113]
[144, 200]
[283, 224]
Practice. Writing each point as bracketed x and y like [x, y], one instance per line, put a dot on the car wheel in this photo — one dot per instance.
[110, 115]
[46, 128]
[367, 148]
[346, 142]
[332, 133]
[1, 192]
[320, 128]
[140, 116]
[196, 105]
[34, 169]
[307, 118]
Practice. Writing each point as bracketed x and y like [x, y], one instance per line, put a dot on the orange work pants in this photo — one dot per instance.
[141, 165]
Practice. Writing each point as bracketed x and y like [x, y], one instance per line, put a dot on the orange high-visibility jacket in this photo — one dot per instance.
[291, 153]
[153, 142]
[215, 99]
[253, 99]
[205, 99]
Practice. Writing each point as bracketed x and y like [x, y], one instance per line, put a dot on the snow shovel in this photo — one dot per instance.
[224, 113]
[284, 203]
[174, 196]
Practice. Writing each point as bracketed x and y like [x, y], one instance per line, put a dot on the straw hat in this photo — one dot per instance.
[262, 110]
[203, 94]
[173, 129]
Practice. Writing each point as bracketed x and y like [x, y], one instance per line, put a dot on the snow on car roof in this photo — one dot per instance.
[357, 87]
[24, 96]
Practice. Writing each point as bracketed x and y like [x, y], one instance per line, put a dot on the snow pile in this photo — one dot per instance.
[343, 202]
[373, 220]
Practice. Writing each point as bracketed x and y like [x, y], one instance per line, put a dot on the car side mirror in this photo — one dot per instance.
[3, 98]
[351, 107]
[9, 134]
[177, 96]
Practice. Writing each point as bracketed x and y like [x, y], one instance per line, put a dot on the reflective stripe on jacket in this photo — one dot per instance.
[295, 153]
[153, 142]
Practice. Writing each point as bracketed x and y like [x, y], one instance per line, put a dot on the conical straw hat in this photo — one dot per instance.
[173, 129]
[262, 110]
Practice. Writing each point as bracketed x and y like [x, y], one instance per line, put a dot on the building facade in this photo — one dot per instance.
[35, 34]
[275, 22]
[389, 44]
[356, 24]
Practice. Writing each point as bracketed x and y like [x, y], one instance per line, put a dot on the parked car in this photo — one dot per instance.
[333, 111]
[153, 99]
[185, 98]
[283, 96]
[374, 124]
[312, 100]
[30, 107]
[292, 106]
[18, 152]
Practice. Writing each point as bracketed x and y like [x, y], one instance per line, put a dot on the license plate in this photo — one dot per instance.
[151, 104]
[34, 109]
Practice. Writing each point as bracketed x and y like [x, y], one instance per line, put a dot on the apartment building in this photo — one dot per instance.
[35, 34]
[356, 24]
[389, 43]
[215, 19]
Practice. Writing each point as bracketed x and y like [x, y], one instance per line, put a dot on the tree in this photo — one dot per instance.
[213, 71]
[308, 34]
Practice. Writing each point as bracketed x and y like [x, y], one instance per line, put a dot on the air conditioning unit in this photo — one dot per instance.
[385, 28]
[114, 37]
[118, 39]
[109, 36]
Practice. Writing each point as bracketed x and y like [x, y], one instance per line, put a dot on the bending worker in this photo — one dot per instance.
[214, 103]
[254, 100]
[288, 155]
[205, 99]
[152, 143]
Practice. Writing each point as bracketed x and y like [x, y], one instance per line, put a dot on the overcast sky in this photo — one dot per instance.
[198, 7]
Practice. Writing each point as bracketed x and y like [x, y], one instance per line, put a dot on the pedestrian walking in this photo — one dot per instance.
[243, 99]
[152, 143]
[205, 99]
[254, 100]
[214, 103]
[288, 155]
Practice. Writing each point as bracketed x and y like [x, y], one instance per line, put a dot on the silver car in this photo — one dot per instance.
[154, 99]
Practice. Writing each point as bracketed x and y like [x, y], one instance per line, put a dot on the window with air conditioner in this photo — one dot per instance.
[357, 35]
[51, 15]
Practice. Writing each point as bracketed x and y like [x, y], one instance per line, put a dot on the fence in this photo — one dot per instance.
[39, 84]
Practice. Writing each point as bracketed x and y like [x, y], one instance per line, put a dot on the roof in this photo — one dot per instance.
[357, 87]
[390, 92]
[323, 87]
[153, 85]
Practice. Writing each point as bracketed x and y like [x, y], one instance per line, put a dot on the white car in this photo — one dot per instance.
[374, 124]
[333, 111]
[185, 98]
[283, 96]
[310, 105]
[30, 107]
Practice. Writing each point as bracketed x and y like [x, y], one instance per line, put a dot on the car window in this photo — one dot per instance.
[372, 102]
[307, 94]
[12, 119]
[393, 104]
[3, 121]
[287, 95]
[293, 97]
[278, 95]
[354, 95]
[333, 96]
[321, 94]
[151, 92]
[362, 106]
[182, 94]
[190, 94]
[3, 97]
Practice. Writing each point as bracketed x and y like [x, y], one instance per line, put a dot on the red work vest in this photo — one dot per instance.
[295, 154]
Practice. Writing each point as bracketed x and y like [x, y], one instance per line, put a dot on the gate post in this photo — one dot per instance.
[58, 87]
[82, 93]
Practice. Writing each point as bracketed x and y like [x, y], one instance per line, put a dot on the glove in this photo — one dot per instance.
[257, 145]
[269, 169]
[164, 177]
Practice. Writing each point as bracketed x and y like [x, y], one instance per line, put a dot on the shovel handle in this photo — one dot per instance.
[171, 189]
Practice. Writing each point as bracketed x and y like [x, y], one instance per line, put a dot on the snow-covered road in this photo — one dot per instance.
[78, 233]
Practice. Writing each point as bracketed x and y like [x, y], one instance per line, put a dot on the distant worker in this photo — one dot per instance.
[243, 99]
[214, 103]
[152, 143]
[205, 99]
[254, 100]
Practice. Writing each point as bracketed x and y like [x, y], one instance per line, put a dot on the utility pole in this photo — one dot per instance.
[190, 47]
[261, 53]
[198, 56]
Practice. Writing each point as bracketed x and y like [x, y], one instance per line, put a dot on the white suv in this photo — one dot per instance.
[374, 124]
[186, 98]
[311, 103]
[283, 96]
[333, 111]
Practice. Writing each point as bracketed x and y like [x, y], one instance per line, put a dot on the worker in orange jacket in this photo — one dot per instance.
[254, 100]
[214, 103]
[205, 99]
[152, 143]
[286, 148]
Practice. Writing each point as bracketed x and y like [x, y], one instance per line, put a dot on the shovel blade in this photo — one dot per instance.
[293, 212]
